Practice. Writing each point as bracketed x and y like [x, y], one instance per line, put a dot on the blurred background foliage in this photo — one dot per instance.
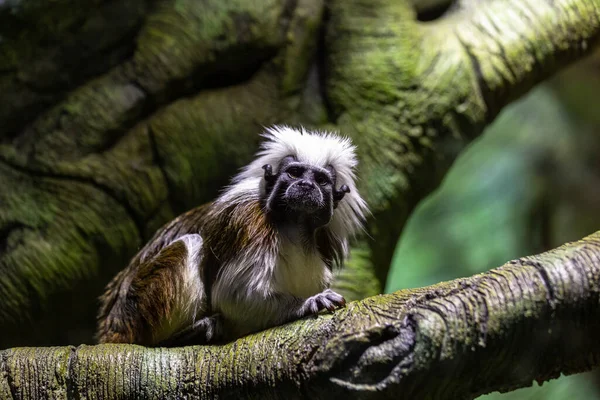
[530, 183]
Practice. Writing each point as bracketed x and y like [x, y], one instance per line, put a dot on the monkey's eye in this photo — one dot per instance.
[294, 172]
[322, 179]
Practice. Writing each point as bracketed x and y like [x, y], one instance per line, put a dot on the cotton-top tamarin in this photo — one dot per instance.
[260, 255]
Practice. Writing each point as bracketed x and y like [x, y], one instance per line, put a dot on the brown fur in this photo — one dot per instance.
[236, 227]
[141, 294]
[141, 297]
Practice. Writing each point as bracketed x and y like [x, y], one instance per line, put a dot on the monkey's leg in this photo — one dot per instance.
[157, 297]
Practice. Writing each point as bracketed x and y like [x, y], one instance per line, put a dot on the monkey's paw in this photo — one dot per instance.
[326, 300]
[203, 331]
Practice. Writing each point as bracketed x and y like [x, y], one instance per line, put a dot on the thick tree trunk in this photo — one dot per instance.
[118, 115]
[97, 172]
[530, 319]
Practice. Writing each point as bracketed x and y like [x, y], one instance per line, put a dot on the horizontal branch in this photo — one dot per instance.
[530, 319]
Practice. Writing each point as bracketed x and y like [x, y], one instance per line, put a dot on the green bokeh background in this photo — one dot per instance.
[528, 184]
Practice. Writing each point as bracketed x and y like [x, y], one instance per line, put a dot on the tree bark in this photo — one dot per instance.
[530, 319]
[98, 171]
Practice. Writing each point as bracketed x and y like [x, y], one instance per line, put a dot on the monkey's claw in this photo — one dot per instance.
[202, 331]
[326, 300]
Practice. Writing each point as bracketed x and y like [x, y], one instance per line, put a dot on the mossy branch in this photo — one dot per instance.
[530, 319]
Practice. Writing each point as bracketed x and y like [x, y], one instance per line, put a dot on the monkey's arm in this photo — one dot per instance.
[246, 311]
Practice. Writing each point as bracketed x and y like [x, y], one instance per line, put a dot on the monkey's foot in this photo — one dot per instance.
[326, 300]
[203, 331]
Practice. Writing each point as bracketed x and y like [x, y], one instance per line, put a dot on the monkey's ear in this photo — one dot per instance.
[338, 194]
[269, 177]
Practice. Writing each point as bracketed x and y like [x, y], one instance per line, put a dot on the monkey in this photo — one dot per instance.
[260, 255]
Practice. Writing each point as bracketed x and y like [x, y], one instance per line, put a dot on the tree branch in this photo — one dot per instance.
[530, 319]
[413, 94]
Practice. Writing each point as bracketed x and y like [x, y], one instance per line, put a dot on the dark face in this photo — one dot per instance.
[301, 191]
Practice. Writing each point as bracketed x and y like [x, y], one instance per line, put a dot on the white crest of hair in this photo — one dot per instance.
[313, 147]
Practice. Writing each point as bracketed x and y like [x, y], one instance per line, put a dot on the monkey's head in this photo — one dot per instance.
[301, 190]
[309, 176]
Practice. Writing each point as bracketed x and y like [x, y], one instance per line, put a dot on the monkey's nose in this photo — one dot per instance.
[306, 184]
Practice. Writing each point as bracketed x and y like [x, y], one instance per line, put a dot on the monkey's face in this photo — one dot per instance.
[301, 190]
[307, 189]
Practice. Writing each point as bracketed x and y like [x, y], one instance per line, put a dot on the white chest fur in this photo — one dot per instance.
[300, 272]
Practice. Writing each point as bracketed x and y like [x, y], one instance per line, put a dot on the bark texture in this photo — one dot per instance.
[530, 319]
[412, 94]
[95, 173]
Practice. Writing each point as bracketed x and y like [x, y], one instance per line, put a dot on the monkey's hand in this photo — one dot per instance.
[326, 300]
